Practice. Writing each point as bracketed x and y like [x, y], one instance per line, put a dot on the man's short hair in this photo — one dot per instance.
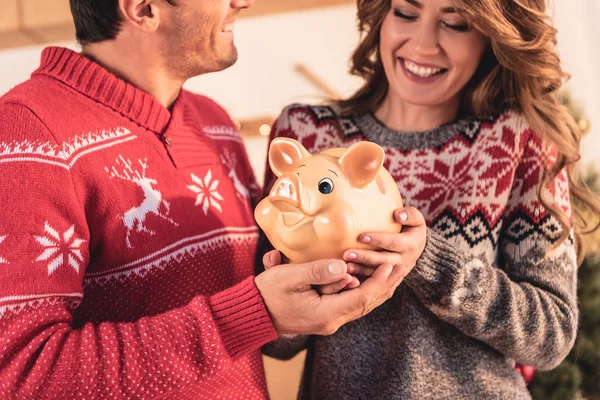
[97, 20]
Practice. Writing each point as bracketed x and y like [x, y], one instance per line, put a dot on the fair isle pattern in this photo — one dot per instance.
[66, 154]
[60, 249]
[314, 127]
[431, 183]
[559, 191]
[173, 254]
[222, 132]
[461, 186]
[18, 304]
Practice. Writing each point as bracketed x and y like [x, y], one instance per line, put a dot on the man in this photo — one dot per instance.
[127, 237]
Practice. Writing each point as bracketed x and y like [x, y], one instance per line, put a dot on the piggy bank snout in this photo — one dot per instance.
[286, 192]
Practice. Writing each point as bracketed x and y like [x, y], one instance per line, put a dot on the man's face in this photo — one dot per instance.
[198, 36]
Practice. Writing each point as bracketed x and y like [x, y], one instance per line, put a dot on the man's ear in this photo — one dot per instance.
[143, 14]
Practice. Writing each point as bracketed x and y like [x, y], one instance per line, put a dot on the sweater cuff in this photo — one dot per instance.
[436, 269]
[242, 318]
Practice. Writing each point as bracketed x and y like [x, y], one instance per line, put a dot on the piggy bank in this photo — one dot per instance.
[322, 202]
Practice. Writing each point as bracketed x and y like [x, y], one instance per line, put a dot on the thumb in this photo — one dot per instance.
[271, 259]
[320, 272]
[409, 216]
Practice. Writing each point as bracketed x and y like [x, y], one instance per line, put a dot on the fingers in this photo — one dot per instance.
[360, 269]
[384, 240]
[336, 286]
[409, 216]
[353, 284]
[398, 274]
[348, 282]
[412, 221]
[363, 262]
[352, 304]
[337, 309]
[271, 259]
[321, 272]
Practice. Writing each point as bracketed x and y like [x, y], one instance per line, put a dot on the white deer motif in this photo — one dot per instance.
[230, 161]
[135, 217]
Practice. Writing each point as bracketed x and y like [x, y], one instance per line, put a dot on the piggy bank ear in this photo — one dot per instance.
[361, 163]
[284, 155]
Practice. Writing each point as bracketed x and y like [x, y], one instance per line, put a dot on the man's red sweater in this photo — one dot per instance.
[127, 243]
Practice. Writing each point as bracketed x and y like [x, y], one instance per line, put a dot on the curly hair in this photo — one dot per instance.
[520, 71]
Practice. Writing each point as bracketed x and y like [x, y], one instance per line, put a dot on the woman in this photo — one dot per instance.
[461, 94]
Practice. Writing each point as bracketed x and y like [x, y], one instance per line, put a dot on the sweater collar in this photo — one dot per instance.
[376, 132]
[95, 82]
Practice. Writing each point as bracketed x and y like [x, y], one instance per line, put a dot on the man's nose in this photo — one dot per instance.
[241, 4]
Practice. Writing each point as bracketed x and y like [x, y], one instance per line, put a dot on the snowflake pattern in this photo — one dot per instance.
[60, 250]
[3, 260]
[207, 192]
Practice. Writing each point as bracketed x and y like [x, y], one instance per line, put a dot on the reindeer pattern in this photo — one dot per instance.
[230, 161]
[152, 203]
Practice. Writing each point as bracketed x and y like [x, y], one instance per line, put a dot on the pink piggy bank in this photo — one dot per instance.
[322, 202]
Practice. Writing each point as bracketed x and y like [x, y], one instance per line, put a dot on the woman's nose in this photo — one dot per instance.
[426, 39]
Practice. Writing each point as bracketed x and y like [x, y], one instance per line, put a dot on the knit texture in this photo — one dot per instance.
[127, 242]
[482, 295]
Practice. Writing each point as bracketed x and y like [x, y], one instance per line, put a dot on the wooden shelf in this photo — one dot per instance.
[13, 39]
[38, 14]
[9, 20]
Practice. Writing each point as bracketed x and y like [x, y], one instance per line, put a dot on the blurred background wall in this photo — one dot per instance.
[293, 51]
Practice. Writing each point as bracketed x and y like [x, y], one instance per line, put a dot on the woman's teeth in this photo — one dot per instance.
[228, 28]
[423, 72]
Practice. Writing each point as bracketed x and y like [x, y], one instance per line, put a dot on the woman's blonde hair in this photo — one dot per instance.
[520, 71]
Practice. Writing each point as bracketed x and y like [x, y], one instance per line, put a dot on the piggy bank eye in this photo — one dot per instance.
[325, 186]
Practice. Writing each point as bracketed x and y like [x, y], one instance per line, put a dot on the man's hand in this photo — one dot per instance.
[297, 308]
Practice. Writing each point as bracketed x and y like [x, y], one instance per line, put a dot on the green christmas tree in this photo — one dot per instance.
[578, 377]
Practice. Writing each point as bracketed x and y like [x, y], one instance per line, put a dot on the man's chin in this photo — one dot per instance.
[207, 69]
[204, 65]
[225, 60]
[230, 60]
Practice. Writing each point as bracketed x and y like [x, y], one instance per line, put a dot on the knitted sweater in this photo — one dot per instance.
[481, 296]
[127, 242]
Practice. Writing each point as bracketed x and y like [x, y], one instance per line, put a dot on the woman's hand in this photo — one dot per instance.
[402, 249]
